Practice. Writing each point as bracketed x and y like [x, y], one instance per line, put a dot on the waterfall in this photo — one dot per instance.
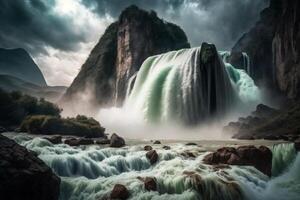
[245, 58]
[246, 63]
[189, 85]
[283, 156]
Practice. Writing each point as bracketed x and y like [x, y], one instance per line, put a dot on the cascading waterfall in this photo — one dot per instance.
[246, 60]
[283, 157]
[190, 86]
[91, 172]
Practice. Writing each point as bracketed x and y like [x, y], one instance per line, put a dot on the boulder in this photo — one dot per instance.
[116, 141]
[54, 139]
[188, 154]
[23, 175]
[166, 147]
[119, 192]
[260, 158]
[79, 141]
[152, 156]
[2, 129]
[102, 141]
[156, 142]
[191, 144]
[147, 148]
[150, 184]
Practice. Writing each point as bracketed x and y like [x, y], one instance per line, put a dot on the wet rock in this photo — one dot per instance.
[149, 183]
[147, 148]
[79, 141]
[197, 181]
[156, 142]
[152, 156]
[119, 192]
[166, 147]
[103, 141]
[191, 144]
[2, 129]
[116, 141]
[260, 158]
[297, 144]
[54, 139]
[188, 154]
[23, 175]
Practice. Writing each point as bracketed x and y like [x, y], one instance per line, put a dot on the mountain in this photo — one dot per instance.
[11, 83]
[18, 63]
[120, 52]
[273, 45]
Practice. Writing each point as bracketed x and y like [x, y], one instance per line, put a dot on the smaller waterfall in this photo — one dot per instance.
[246, 60]
[246, 63]
[283, 156]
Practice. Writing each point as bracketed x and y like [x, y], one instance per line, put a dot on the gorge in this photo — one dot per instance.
[152, 117]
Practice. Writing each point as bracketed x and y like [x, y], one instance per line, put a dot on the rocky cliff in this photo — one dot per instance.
[257, 43]
[120, 52]
[286, 49]
[18, 63]
[23, 175]
[273, 46]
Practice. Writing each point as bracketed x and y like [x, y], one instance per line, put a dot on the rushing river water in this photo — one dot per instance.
[90, 172]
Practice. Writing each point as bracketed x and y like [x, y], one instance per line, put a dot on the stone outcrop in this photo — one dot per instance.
[149, 183]
[79, 141]
[120, 52]
[152, 156]
[56, 139]
[119, 192]
[257, 43]
[286, 49]
[260, 158]
[268, 123]
[116, 141]
[273, 47]
[23, 175]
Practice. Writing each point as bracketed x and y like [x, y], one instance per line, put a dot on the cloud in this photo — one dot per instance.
[60, 34]
[221, 22]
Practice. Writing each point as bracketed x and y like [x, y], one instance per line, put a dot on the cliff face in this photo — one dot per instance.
[286, 49]
[120, 52]
[140, 35]
[18, 63]
[257, 43]
[23, 175]
[273, 45]
[97, 74]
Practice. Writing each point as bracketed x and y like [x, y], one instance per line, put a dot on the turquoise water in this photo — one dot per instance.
[90, 172]
[179, 86]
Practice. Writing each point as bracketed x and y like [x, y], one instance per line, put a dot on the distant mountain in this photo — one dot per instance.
[120, 52]
[18, 63]
[11, 83]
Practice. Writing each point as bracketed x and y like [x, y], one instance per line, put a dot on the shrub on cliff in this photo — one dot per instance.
[50, 125]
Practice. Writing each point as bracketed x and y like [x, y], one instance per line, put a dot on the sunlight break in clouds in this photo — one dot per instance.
[60, 67]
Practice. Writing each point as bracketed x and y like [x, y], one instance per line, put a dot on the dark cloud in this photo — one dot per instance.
[218, 21]
[33, 25]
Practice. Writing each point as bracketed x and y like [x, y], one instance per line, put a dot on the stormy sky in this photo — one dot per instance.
[59, 34]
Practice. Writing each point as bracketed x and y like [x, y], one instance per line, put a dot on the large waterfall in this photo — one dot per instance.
[189, 85]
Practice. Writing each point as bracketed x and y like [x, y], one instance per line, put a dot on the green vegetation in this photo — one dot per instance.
[80, 126]
[15, 106]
